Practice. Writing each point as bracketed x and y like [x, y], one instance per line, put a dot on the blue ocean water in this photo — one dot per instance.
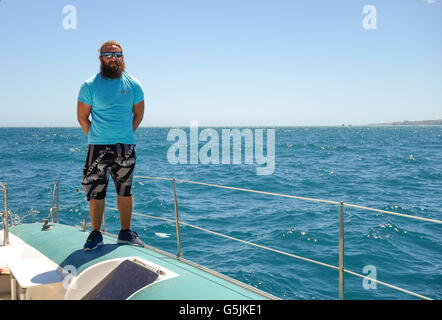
[397, 169]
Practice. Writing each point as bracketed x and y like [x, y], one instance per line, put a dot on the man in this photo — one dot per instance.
[116, 102]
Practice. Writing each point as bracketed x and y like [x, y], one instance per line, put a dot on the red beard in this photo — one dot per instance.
[114, 70]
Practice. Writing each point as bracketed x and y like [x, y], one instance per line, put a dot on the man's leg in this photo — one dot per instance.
[94, 182]
[126, 235]
[95, 239]
[96, 211]
[122, 173]
[125, 205]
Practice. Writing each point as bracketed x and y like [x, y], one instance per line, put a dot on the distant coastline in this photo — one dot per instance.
[410, 123]
[399, 123]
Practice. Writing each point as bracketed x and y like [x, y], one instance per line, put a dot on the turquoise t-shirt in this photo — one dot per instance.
[112, 103]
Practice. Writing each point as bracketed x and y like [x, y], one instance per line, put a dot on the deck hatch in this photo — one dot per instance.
[126, 279]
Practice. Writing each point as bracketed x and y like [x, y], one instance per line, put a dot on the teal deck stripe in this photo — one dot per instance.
[64, 245]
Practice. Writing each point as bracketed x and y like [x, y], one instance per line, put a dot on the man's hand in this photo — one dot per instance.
[138, 111]
[83, 112]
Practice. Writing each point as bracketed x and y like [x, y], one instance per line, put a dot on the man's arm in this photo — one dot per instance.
[138, 111]
[83, 112]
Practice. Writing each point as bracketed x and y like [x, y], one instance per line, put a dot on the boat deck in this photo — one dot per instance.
[64, 246]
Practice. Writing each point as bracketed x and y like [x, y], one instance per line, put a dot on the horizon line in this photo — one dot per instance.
[394, 123]
[235, 126]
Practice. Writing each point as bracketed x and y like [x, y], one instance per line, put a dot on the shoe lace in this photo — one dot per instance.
[93, 234]
[133, 233]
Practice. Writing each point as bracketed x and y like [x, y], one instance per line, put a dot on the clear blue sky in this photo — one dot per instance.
[228, 62]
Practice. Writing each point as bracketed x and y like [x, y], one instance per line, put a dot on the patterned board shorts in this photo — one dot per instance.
[118, 160]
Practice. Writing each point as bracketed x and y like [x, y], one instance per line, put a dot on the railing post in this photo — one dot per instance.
[53, 203]
[104, 220]
[180, 254]
[5, 217]
[56, 189]
[341, 252]
[84, 223]
[58, 201]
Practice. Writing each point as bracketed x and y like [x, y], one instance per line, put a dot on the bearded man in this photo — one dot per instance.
[115, 101]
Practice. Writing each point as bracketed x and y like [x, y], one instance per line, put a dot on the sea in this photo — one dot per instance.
[392, 168]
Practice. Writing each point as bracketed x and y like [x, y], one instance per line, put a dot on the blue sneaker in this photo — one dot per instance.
[94, 240]
[129, 237]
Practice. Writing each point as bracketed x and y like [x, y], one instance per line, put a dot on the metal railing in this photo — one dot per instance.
[5, 216]
[55, 205]
[341, 205]
[340, 268]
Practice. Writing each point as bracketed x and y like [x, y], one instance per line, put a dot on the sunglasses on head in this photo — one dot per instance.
[110, 54]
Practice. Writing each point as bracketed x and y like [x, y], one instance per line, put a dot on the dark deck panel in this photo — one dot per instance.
[126, 279]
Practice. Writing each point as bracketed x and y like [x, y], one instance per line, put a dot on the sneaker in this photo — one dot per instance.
[94, 240]
[129, 237]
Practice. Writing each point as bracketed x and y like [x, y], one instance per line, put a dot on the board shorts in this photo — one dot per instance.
[118, 160]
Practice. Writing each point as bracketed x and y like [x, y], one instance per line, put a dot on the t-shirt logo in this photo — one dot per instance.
[125, 91]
